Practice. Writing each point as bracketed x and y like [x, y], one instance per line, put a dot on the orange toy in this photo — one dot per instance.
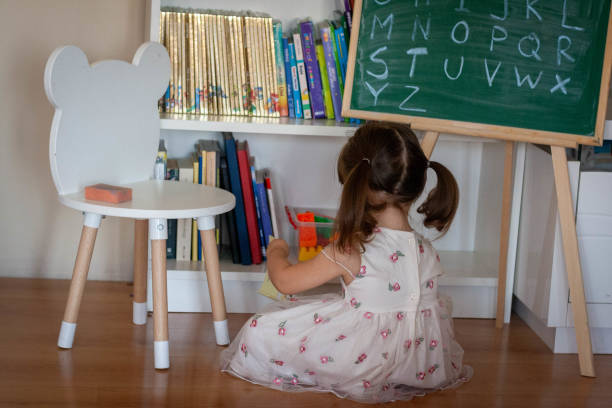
[108, 193]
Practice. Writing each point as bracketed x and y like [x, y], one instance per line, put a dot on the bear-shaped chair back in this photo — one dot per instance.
[106, 123]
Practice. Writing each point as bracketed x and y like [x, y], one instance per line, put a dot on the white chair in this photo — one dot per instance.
[106, 130]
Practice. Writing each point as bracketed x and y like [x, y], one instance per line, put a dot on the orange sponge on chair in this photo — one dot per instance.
[108, 193]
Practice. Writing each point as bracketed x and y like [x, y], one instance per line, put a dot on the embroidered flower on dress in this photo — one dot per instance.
[277, 381]
[281, 328]
[368, 315]
[243, 348]
[433, 344]
[437, 257]
[394, 287]
[426, 312]
[400, 316]
[277, 362]
[294, 380]
[318, 319]
[429, 284]
[407, 344]
[326, 359]
[385, 333]
[340, 337]
[361, 358]
[421, 249]
[420, 376]
[418, 341]
[433, 368]
[366, 384]
[355, 303]
[385, 387]
[362, 272]
[302, 348]
[309, 372]
[395, 256]
[385, 355]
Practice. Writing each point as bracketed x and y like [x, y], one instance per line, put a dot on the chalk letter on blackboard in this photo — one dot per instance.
[415, 89]
[564, 19]
[520, 82]
[374, 92]
[462, 6]
[490, 77]
[446, 69]
[560, 85]
[505, 13]
[465, 36]
[373, 58]
[381, 2]
[562, 51]
[530, 3]
[497, 39]
[414, 52]
[534, 52]
[424, 30]
[388, 20]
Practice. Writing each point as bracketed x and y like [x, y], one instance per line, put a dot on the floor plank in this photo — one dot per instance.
[111, 363]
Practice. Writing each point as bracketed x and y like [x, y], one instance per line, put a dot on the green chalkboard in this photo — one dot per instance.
[529, 70]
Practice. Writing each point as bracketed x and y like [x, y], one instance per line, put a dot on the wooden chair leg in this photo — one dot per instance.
[572, 261]
[504, 235]
[141, 238]
[158, 232]
[206, 225]
[91, 224]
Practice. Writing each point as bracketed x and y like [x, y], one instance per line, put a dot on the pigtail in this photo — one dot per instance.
[441, 204]
[354, 223]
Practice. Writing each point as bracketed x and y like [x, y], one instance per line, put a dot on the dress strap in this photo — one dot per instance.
[340, 264]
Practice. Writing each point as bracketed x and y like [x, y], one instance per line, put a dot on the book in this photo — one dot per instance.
[211, 175]
[249, 201]
[332, 32]
[191, 89]
[331, 72]
[183, 226]
[312, 70]
[252, 99]
[236, 188]
[194, 224]
[289, 87]
[230, 217]
[271, 203]
[258, 206]
[327, 100]
[295, 84]
[271, 76]
[172, 173]
[342, 47]
[262, 197]
[301, 70]
[279, 61]
[242, 69]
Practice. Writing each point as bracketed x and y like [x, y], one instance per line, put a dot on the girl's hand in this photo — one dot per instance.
[278, 245]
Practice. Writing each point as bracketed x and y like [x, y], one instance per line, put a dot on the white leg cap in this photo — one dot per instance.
[221, 333]
[66, 335]
[162, 355]
[139, 313]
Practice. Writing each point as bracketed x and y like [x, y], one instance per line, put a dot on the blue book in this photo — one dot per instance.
[288, 78]
[257, 208]
[262, 196]
[295, 83]
[342, 50]
[312, 70]
[332, 74]
[234, 175]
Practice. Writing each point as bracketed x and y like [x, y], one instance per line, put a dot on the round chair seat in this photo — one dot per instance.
[159, 199]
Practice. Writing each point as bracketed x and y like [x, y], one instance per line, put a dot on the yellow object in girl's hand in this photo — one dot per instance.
[267, 287]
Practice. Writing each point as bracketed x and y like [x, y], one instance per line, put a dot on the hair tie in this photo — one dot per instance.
[366, 159]
[428, 164]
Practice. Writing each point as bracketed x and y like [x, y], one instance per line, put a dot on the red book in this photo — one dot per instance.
[249, 201]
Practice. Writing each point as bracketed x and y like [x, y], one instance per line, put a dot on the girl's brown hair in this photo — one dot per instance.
[387, 158]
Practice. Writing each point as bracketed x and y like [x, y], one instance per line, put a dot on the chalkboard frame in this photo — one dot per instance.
[481, 129]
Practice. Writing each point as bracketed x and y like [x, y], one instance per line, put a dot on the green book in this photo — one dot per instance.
[332, 27]
[327, 99]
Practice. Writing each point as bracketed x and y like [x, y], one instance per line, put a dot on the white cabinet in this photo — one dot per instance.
[541, 290]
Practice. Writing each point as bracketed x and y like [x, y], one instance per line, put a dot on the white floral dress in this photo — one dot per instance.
[388, 337]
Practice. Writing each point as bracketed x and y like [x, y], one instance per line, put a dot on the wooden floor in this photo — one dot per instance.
[111, 364]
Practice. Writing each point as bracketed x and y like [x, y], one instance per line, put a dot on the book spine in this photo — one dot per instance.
[312, 71]
[230, 217]
[249, 206]
[211, 65]
[183, 102]
[342, 51]
[191, 108]
[253, 106]
[183, 227]
[173, 62]
[204, 67]
[167, 45]
[331, 73]
[272, 207]
[287, 62]
[301, 69]
[265, 213]
[194, 224]
[260, 228]
[162, 40]
[242, 82]
[329, 108]
[231, 39]
[295, 83]
[197, 38]
[224, 67]
[332, 36]
[281, 80]
[271, 68]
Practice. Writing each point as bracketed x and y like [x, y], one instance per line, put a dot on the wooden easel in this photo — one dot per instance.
[557, 142]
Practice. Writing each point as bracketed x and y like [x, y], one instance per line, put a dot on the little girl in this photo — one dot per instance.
[390, 335]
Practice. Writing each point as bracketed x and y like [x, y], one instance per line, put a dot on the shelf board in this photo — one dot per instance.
[462, 268]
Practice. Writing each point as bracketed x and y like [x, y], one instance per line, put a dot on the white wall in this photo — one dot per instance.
[40, 236]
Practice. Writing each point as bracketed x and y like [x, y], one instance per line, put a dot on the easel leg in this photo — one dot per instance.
[504, 234]
[91, 224]
[572, 261]
[429, 142]
[206, 225]
[141, 238]
[158, 231]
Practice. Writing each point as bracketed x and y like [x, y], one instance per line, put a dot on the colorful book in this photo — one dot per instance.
[295, 83]
[332, 32]
[342, 48]
[280, 70]
[230, 217]
[289, 86]
[183, 226]
[301, 70]
[327, 100]
[239, 209]
[271, 204]
[262, 197]
[312, 70]
[194, 224]
[249, 201]
[332, 75]
[258, 206]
